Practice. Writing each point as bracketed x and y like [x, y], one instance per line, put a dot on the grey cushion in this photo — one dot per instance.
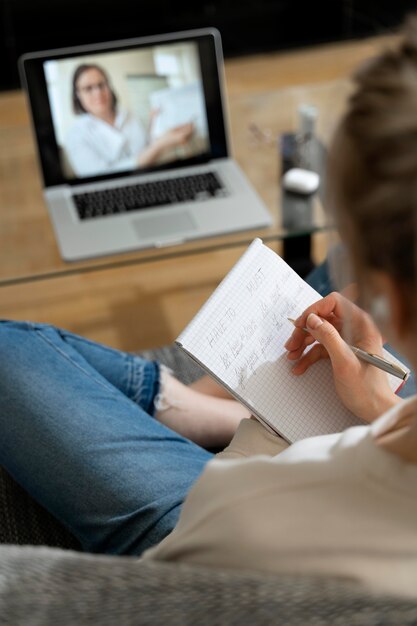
[181, 364]
[24, 521]
[46, 587]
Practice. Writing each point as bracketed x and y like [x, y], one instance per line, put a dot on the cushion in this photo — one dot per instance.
[45, 587]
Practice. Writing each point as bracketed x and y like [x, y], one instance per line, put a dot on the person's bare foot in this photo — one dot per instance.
[206, 384]
[208, 420]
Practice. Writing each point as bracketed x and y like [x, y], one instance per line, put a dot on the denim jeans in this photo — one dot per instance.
[320, 280]
[77, 432]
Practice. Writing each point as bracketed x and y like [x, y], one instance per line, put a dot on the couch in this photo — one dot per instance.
[45, 580]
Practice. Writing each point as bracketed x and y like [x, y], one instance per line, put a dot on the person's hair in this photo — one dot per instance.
[76, 103]
[372, 165]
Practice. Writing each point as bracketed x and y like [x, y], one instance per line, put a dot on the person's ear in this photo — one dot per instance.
[380, 309]
[387, 304]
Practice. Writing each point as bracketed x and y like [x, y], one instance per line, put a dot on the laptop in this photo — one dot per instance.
[133, 144]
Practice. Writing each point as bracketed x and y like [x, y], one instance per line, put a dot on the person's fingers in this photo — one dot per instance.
[188, 130]
[296, 340]
[301, 338]
[293, 355]
[316, 353]
[327, 335]
[332, 305]
[183, 133]
[182, 128]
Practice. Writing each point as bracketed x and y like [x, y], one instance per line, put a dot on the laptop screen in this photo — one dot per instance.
[126, 107]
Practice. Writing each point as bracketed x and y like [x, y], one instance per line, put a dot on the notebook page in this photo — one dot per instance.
[239, 334]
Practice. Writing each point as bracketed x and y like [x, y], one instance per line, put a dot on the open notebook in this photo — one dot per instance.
[238, 336]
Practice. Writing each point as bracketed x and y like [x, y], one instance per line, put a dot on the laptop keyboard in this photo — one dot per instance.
[146, 195]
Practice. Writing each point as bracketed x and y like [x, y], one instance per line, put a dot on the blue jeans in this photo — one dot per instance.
[77, 432]
[320, 280]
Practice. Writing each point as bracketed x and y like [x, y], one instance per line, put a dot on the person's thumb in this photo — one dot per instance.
[327, 335]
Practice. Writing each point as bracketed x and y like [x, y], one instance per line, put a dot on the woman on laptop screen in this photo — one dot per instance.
[106, 137]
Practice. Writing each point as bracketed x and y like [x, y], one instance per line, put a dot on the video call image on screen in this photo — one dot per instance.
[119, 111]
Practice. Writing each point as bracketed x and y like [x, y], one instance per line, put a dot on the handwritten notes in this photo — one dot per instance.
[239, 334]
[243, 334]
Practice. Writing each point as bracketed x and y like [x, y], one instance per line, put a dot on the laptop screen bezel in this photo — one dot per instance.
[31, 68]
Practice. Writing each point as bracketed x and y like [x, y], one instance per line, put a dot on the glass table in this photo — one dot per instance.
[28, 249]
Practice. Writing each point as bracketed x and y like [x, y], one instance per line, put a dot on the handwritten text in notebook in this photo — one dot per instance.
[238, 336]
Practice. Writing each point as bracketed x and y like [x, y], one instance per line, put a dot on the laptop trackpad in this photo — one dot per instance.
[167, 226]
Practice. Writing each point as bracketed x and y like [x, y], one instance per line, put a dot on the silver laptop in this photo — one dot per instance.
[133, 144]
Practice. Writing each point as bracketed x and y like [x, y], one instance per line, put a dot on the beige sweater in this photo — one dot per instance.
[336, 504]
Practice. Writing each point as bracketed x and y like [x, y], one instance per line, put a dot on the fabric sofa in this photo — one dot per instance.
[45, 580]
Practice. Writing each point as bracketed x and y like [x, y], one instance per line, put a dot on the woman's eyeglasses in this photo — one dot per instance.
[89, 89]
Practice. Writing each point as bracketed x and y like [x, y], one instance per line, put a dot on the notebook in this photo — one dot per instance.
[238, 337]
[133, 145]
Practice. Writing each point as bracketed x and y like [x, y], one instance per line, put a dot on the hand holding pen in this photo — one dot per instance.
[363, 389]
[373, 359]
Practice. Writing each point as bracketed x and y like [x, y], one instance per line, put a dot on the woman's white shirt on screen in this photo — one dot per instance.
[95, 147]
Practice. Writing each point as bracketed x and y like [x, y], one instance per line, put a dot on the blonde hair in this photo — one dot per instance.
[372, 167]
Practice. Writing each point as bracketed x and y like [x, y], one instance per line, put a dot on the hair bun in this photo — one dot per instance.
[372, 180]
[409, 43]
[382, 116]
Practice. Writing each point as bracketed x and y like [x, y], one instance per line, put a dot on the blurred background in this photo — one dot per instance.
[246, 26]
[279, 54]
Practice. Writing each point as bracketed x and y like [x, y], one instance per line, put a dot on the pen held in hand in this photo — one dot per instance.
[373, 359]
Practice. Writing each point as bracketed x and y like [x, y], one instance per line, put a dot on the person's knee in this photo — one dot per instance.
[17, 346]
[12, 332]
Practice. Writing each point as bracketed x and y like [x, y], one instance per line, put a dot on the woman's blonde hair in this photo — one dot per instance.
[372, 168]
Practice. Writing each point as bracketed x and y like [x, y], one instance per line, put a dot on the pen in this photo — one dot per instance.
[373, 359]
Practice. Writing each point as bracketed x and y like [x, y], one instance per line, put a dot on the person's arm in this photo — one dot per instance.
[363, 388]
[174, 137]
[152, 120]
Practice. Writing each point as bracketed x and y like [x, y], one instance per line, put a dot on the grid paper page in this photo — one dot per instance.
[239, 334]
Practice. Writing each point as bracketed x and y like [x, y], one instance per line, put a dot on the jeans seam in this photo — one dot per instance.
[104, 384]
[94, 344]
[143, 384]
